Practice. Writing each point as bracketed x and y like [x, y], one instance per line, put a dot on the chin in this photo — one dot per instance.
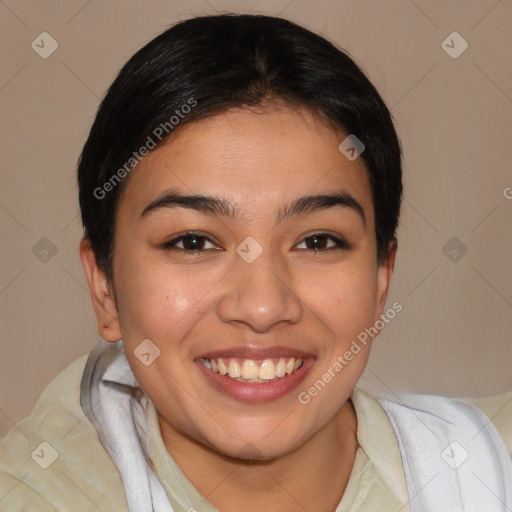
[264, 447]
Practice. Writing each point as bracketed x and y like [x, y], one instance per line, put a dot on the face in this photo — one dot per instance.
[271, 293]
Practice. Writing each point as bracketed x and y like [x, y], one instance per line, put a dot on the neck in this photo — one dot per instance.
[313, 477]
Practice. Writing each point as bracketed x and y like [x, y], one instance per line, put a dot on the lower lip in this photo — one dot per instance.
[257, 392]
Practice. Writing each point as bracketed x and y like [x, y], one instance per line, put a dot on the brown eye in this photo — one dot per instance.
[190, 242]
[320, 241]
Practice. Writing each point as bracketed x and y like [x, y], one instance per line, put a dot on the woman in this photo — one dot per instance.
[240, 193]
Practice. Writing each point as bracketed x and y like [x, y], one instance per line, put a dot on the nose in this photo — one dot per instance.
[260, 295]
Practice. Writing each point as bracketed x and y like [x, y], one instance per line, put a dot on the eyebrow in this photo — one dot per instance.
[214, 205]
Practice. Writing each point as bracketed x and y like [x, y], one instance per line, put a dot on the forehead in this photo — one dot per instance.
[257, 159]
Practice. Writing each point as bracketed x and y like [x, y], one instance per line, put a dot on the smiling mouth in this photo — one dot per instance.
[253, 371]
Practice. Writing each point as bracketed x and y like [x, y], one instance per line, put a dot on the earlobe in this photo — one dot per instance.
[103, 302]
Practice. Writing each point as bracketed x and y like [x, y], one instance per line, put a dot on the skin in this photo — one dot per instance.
[290, 295]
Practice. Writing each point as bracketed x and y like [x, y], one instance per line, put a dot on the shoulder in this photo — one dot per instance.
[455, 414]
[442, 416]
[454, 441]
[498, 409]
[53, 460]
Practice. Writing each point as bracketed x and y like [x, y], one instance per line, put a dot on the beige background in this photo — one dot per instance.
[454, 118]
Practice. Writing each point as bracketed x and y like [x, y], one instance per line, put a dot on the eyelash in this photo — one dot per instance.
[171, 244]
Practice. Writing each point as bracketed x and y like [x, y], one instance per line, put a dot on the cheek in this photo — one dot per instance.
[345, 298]
[155, 297]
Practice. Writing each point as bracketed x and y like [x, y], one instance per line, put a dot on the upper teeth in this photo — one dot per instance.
[250, 370]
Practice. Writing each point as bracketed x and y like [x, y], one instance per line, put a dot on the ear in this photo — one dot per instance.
[102, 298]
[384, 273]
